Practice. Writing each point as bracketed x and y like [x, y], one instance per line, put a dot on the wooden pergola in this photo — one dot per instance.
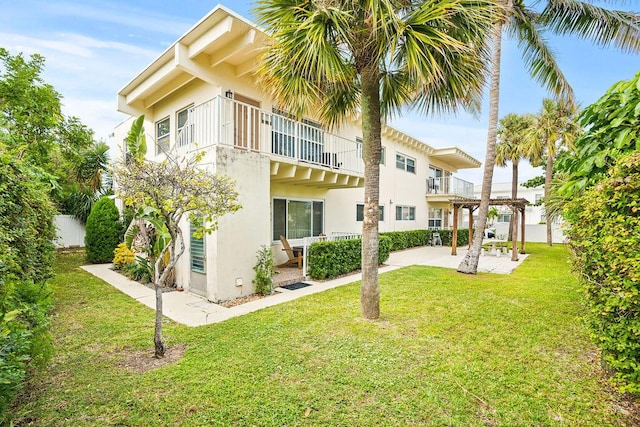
[516, 205]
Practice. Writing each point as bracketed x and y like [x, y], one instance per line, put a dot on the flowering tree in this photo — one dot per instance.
[173, 189]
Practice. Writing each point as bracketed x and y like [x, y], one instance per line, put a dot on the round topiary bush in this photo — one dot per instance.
[103, 231]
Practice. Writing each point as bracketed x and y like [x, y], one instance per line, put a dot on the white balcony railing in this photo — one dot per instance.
[450, 185]
[224, 121]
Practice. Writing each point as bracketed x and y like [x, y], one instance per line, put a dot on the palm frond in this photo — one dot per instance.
[603, 27]
[538, 57]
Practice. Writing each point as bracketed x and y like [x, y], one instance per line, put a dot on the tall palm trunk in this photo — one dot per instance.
[371, 135]
[514, 219]
[547, 189]
[469, 264]
[514, 195]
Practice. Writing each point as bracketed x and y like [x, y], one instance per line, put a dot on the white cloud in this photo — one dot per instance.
[120, 15]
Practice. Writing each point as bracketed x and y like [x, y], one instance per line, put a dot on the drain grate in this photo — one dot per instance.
[297, 285]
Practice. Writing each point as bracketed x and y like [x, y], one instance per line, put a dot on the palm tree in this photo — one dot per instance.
[368, 59]
[511, 148]
[602, 26]
[554, 127]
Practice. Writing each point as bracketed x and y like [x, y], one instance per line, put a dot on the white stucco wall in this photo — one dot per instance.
[241, 234]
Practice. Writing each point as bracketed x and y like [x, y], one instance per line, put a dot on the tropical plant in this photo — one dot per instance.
[32, 127]
[367, 60]
[554, 129]
[168, 191]
[512, 129]
[103, 231]
[604, 238]
[602, 26]
[612, 129]
[264, 269]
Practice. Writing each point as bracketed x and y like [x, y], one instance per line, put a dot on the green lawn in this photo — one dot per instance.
[451, 349]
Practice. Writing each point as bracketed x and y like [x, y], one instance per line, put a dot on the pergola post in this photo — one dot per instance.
[470, 226]
[522, 237]
[454, 236]
[514, 236]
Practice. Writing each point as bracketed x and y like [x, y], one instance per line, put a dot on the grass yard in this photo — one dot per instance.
[451, 349]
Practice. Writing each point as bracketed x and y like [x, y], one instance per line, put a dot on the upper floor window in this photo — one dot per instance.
[383, 153]
[163, 130]
[184, 128]
[539, 198]
[406, 163]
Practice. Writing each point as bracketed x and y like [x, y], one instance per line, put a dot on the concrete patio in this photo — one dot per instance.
[191, 310]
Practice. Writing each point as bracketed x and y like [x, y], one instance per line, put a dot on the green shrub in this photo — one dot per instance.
[141, 270]
[605, 241]
[407, 239]
[264, 269]
[447, 237]
[27, 232]
[412, 238]
[103, 231]
[331, 259]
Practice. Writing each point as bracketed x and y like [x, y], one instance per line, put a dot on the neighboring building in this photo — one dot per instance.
[294, 178]
[534, 217]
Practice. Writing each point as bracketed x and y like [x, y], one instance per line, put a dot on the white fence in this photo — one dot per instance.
[533, 232]
[70, 231]
[307, 241]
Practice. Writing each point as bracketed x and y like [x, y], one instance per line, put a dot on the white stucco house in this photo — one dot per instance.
[294, 177]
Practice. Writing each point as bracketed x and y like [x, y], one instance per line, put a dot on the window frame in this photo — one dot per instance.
[190, 125]
[286, 223]
[203, 257]
[407, 213]
[434, 220]
[402, 162]
[166, 136]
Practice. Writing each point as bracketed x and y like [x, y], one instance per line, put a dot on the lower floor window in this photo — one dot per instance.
[196, 250]
[360, 212]
[405, 213]
[435, 218]
[296, 219]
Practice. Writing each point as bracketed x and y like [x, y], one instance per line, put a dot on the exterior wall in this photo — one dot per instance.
[71, 232]
[241, 234]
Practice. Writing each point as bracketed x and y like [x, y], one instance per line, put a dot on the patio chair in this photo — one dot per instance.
[295, 255]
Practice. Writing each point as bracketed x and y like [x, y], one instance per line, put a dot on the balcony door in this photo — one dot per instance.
[246, 116]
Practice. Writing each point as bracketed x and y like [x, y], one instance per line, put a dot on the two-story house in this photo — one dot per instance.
[294, 177]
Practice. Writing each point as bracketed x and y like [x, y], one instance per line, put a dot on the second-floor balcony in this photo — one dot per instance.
[449, 186]
[227, 122]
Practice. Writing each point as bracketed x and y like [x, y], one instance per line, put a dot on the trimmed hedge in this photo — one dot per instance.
[412, 238]
[407, 239]
[103, 231]
[447, 237]
[331, 259]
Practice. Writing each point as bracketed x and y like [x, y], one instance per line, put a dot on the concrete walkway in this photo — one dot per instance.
[192, 310]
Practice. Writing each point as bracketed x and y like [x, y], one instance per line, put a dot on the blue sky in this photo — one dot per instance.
[94, 48]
